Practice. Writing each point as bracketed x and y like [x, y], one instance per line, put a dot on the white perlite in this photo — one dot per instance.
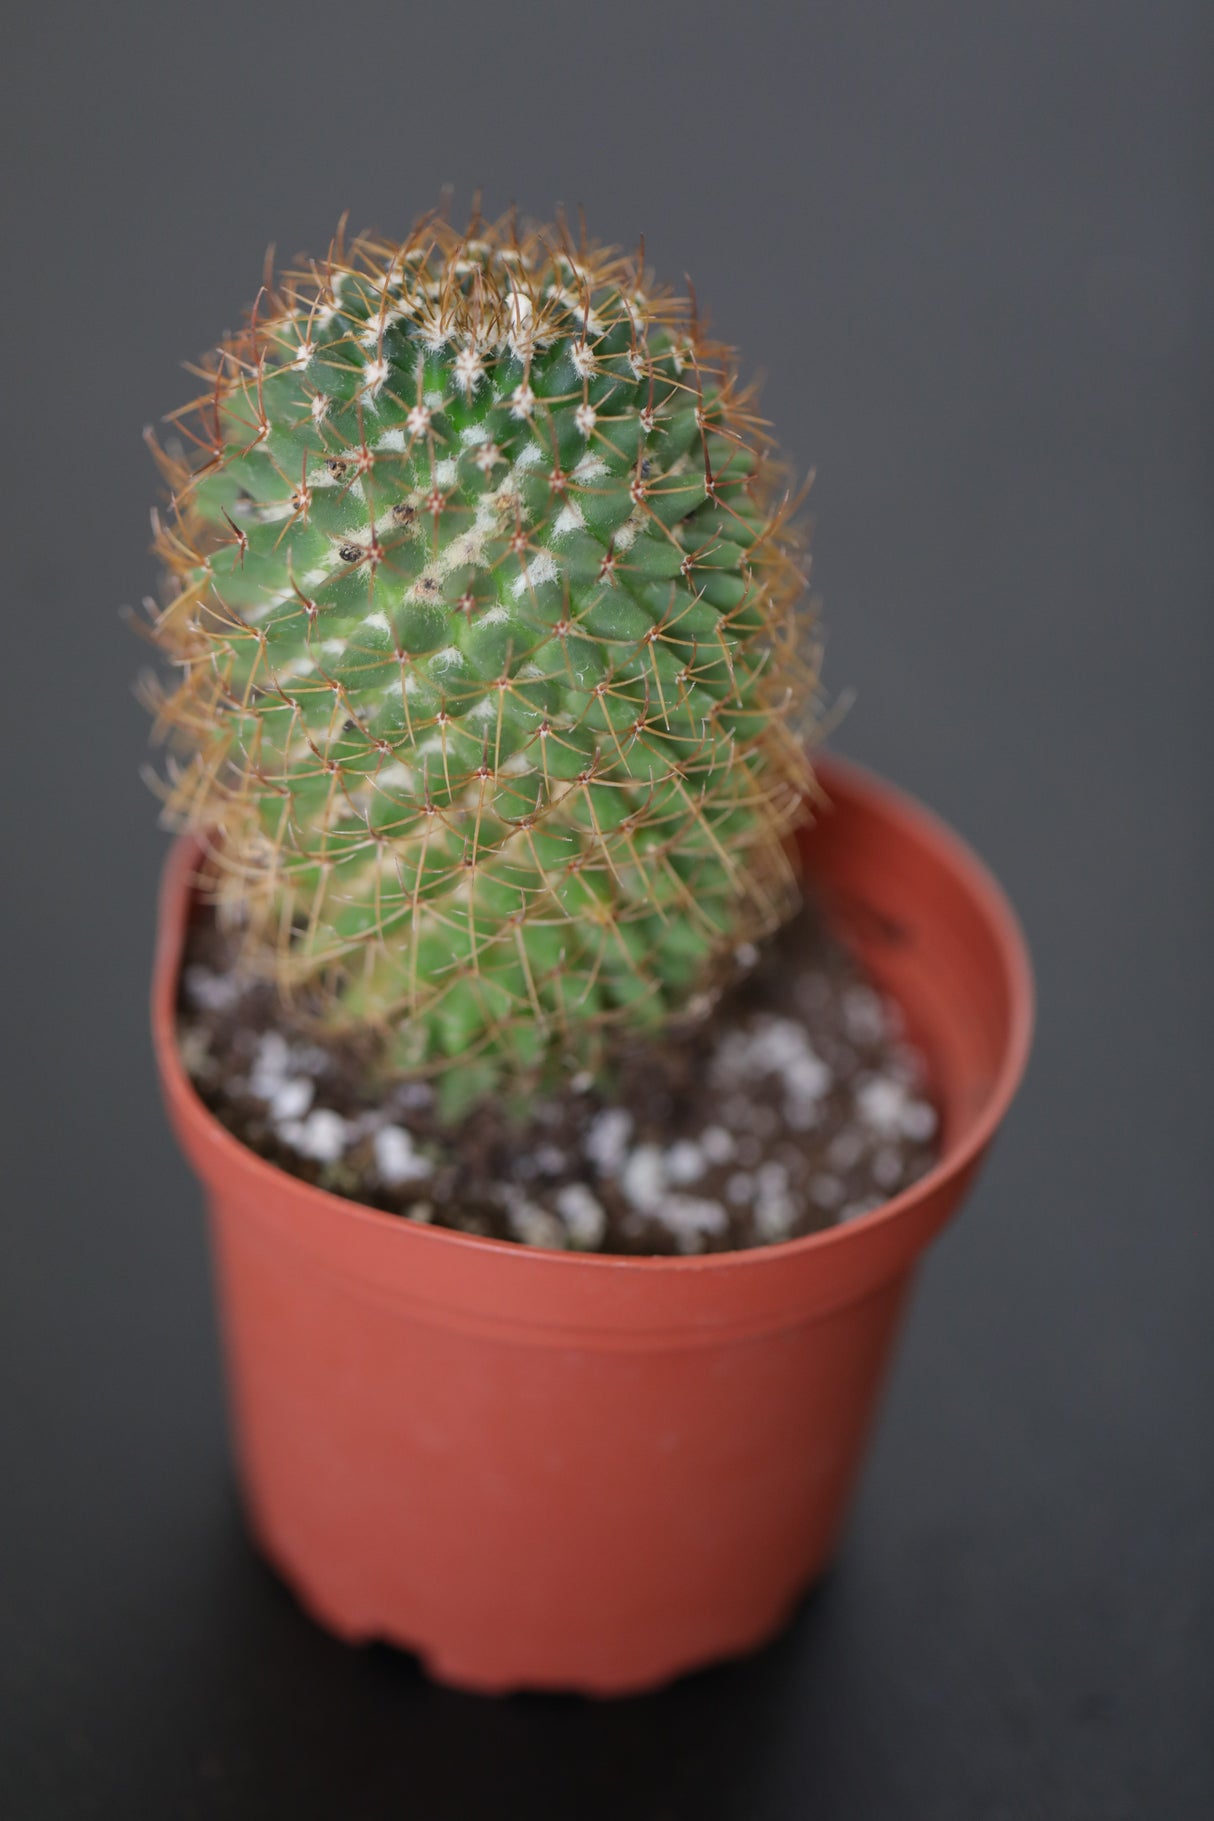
[919, 1121]
[644, 1178]
[646, 1181]
[846, 1150]
[827, 1192]
[717, 1144]
[891, 1110]
[864, 1015]
[886, 1167]
[692, 1219]
[583, 1214]
[684, 1161]
[772, 1179]
[396, 1160]
[271, 1063]
[775, 1209]
[213, 992]
[854, 1209]
[774, 1216]
[534, 1225]
[771, 1045]
[321, 1136]
[292, 1099]
[606, 1142]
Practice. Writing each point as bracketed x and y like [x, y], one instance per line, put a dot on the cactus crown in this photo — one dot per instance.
[483, 591]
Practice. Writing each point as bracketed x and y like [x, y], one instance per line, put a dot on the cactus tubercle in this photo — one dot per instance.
[491, 688]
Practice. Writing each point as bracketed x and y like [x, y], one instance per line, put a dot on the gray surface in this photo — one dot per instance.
[970, 247]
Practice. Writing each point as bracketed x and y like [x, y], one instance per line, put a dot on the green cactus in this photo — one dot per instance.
[490, 681]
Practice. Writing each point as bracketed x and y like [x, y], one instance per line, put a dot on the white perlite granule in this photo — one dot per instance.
[213, 992]
[271, 1065]
[321, 1136]
[644, 1178]
[846, 1149]
[716, 1144]
[854, 1209]
[396, 1159]
[864, 1015]
[646, 1175]
[775, 1208]
[606, 1143]
[692, 1219]
[889, 1107]
[534, 1225]
[827, 1192]
[771, 1045]
[292, 1099]
[774, 1216]
[583, 1214]
[919, 1122]
[886, 1167]
[684, 1161]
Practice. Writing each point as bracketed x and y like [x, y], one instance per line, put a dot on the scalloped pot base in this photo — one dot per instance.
[559, 1471]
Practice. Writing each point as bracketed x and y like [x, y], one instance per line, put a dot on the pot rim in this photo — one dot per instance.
[955, 1158]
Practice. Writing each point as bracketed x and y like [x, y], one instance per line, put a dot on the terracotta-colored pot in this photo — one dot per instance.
[549, 1470]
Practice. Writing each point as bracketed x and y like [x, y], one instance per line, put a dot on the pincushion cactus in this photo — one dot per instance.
[490, 685]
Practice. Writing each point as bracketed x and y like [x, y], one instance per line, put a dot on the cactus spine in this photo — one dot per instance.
[489, 679]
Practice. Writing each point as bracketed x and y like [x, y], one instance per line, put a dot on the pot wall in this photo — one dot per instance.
[558, 1471]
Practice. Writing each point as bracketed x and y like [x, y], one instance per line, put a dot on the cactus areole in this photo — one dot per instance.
[491, 694]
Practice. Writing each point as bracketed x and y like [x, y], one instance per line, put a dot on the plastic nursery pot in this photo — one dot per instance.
[551, 1470]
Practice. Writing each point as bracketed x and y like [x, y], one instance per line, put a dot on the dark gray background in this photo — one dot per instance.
[969, 245]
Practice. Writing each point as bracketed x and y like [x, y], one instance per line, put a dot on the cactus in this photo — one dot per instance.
[490, 682]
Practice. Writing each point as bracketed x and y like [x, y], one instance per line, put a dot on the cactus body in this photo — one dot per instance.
[483, 613]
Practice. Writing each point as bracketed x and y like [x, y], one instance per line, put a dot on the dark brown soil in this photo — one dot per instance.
[795, 1105]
